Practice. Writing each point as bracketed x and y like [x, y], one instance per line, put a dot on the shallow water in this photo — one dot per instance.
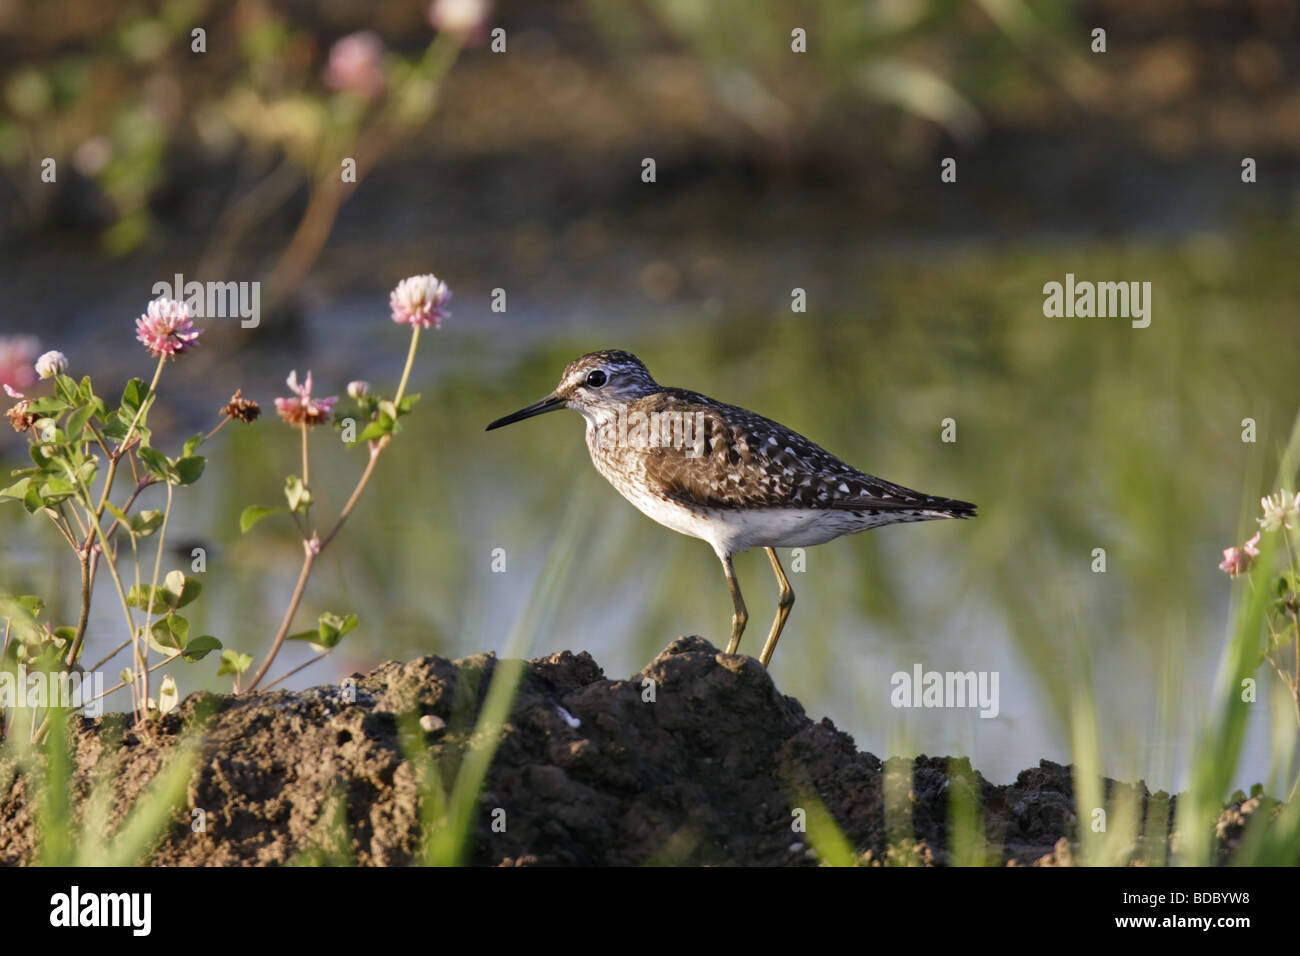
[1072, 435]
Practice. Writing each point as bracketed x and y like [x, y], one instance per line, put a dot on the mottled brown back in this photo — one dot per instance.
[749, 462]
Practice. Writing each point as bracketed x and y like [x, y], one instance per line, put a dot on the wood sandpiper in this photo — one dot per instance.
[724, 474]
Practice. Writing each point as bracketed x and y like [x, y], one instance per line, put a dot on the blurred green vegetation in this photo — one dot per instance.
[150, 131]
[1073, 434]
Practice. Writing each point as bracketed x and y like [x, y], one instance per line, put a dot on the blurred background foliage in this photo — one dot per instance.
[775, 170]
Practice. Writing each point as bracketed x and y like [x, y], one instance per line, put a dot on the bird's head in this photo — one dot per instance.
[595, 383]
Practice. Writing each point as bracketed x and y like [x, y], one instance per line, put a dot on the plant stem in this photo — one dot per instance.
[114, 458]
[87, 575]
[162, 663]
[376, 449]
[94, 514]
[144, 404]
[65, 531]
[153, 585]
[99, 439]
[308, 559]
[81, 526]
[108, 554]
[120, 648]
[126, 508]
[83, 558]
[303, 666]
[107, 550]
[220, 425]
[121, 593]
[410, 361]
[306, 466]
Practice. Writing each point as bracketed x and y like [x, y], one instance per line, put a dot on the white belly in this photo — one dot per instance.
[733, 531]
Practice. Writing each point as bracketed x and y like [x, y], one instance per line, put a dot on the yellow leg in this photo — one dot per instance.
[741, 617]
[782, 607]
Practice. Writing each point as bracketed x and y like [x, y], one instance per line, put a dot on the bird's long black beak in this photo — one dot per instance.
[549, 404]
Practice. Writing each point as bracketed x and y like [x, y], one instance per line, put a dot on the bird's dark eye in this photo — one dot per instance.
[596, 378]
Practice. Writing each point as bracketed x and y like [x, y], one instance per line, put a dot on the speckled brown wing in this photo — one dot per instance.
[748, 461]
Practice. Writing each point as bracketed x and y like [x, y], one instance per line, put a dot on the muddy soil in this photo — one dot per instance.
[590, 771]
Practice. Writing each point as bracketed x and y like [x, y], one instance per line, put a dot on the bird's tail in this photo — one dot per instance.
[949, 508]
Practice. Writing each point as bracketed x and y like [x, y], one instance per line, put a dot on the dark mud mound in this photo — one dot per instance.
[698, 759]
